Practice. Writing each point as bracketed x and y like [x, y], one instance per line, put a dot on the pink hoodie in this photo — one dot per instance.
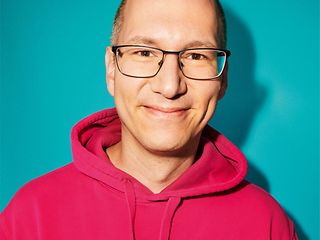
[91, 199]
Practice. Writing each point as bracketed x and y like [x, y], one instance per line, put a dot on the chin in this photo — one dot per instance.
[165, 144]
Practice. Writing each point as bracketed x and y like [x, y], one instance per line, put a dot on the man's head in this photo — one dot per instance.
[165, 113]
[221, 35]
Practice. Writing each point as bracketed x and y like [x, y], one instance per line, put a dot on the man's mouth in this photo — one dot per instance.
[165, 111]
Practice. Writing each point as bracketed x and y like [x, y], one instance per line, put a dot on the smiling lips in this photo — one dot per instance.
[166, 112]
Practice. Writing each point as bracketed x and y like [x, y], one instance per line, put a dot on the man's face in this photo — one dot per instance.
[165, 113]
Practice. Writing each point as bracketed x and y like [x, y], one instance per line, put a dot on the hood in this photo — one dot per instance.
[220, 167]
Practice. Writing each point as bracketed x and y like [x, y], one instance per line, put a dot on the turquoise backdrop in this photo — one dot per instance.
[53, 74]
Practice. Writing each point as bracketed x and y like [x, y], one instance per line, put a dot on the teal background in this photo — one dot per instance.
[53, 74]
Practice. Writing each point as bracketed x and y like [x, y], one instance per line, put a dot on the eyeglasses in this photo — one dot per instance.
[145, 62]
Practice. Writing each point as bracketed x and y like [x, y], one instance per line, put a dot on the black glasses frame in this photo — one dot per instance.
[165, 52]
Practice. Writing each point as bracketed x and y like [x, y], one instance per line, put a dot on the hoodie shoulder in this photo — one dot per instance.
[257, 198]
[56, 179]
[36, 195]
[43, 190]
[258, 204]
[48, 180]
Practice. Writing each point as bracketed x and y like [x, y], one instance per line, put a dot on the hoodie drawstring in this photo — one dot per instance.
[131, 203]
[167, 217]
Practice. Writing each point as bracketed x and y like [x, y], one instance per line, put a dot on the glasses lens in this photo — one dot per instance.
[139, 61]
[202, 63]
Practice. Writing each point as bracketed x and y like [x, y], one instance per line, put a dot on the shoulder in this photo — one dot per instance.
[45, 188]
[256, 203]
[37, 196]
[257, 198]
[250, 200]
[57, 179]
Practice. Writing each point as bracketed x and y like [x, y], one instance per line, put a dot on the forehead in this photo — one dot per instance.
[169, 23]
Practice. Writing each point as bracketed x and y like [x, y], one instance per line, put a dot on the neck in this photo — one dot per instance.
[153, 169]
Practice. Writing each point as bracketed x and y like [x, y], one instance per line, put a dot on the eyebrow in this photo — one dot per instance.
[200, 44]
[152, 42]
[142, 40]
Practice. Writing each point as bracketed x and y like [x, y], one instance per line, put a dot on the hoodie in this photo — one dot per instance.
[91, 199]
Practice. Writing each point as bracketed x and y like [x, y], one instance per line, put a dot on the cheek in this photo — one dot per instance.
[124, 89]
[207, 94]
[207, 100]
[123, 96]
[126, 94]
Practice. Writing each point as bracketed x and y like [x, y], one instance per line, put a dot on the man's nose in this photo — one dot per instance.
[169, 81]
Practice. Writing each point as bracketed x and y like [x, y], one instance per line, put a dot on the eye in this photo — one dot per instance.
[196, 56]
[144, 53]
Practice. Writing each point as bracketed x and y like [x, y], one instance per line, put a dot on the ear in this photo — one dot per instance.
[224, 82]
[110, 70]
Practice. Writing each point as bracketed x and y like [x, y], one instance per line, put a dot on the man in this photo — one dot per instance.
[152, 168]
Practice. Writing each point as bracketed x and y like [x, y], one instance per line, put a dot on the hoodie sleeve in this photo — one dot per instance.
[282, 227]
[19, 218]
[293, 233]
[2, 235]
[3, 226]
[6, 223]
